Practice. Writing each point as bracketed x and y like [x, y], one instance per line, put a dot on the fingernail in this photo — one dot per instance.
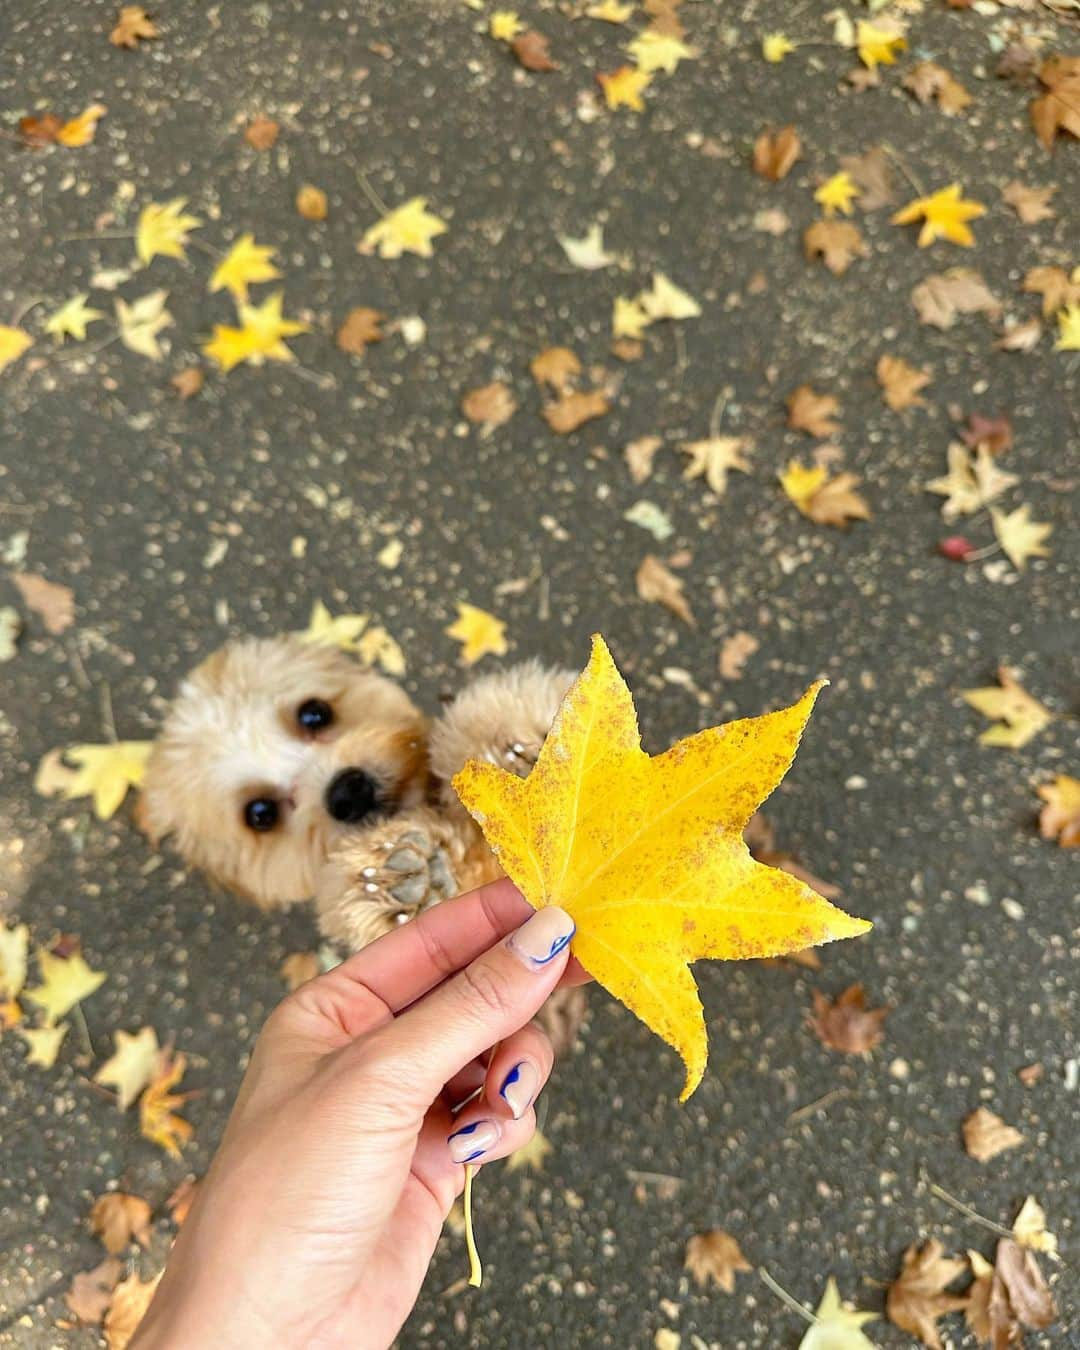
[473, 1141]
[519, 1088]
[543, 937]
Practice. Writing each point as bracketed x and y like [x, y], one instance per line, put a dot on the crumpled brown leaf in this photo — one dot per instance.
[917, 1297]
[986, 1135]
[846, 1023]
[573, 410]
[130, 1300]
[91, 1291]
[811, 412]
[55, 604]
[490, 405]
[837, 242]
[944, 295]
[715, 1255]
[775, 153]
[658, 584]
[119, 1219]
[1058, 109]
[872, 174]
[531, 50]
[557, 367]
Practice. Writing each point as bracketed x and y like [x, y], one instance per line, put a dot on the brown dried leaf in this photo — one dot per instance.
[1055, 287]
[1017, 63]
[734, 654]
[836, 502]
[130, 1300]
[557, 367]
[900, 383]
[261, 132]
[54, 603]
[988, 1314]
[180, 1202]
[628, 349]
[775, 153]
[1029, 1296]
[91, 1291]
[873, 176]
[961, 290]
[928, 81]
[1021, 337]
[188, 382]
[639, 456]
[1031, 204]
[40, 131]
[133, 25]
[812, 413]
[573, 410]
[311, 202]
[917, 1298]
[657, 584]
[995, 433]
[837, 242]
[1059, 108]
[986, 1135]
[361, 326]
[298, 968]
[531, 50]
[119, 1219]
[847, 1024]
[1060, 817]
[715, 1256]
[491, 405]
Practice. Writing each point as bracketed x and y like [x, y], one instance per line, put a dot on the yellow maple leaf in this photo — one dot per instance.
[610, 11]
[132, 1066]
[80, 130]
[71, 319]
[408, 229]
[532, 1155]
[1018, 717]
[341, 630]
[478, 632]
[800, 482]
[14, 946]
[944, 215]
[259, 337]
[775, 46]
[837, 194]
[647, 854]
[623, 87]
[665, 300]
[505, 25]
[654, 51]
[628, 319]
[140, 322]
[836, 1326]
[156, 1120]
[878, 46]
[245, 264]
[1060, 818]
[1029, 1229]
[65, 981]
[1068, 339]
[1020, 536]
[43, 1044]
[163, 227]
[104, 772]
[13, 342]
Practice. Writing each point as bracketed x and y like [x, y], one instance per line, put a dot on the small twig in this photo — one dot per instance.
[901, 164]
[84, 350]
[206, 248]
[680, 354]
[18, 508]
[21, 314]
[77, 665]
[543, 605]
[74, 238]
[653, 1178]
[972, 1214]
[717, 413]
[811, 1107]
[78, 1017]
[977, 555]
[784, 1297]
[107, 714]
[323, 381]
[370, 193]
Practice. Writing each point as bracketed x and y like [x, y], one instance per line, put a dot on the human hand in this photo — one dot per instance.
[317, 1220]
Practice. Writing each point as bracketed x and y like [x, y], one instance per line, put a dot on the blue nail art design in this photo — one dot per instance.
[467, 1130]
[556, 948]
[514, 1076]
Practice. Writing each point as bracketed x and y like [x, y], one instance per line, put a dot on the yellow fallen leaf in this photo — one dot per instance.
[133, 25]
[71, 319]
[654, 51]
[245, 264]
[140, 322]
[163, 227]
[837, 194]
[1068, 339]
[1029, 1228]
[127, 1308]
[132, 1066]
[259, 337]
[65, 981]
[532, 1155]
[588, 252]
[80, 130]
[775, 46]
[878, 46]
[665, 300]
[712, 458]
[836, 1326]
[972, 482]
[478, 632]
[13, 342]
[1020, 536]
[1060, 818]
[505, 25]
[623, 87]
[610, 11]
[43, 1044]
[647, 854]
[408, 229]
[1017, 717]
[824, 500]
[628, 319]
[341, 630]
[944, 214]
[14, 946]
[104, 772]
[156, 1121]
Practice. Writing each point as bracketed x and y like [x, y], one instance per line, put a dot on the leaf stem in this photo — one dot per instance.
[784, 1297]
[943, 1194]
[370, 193]
[476, 1270]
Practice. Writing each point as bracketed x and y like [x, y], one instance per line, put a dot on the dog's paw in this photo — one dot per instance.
[409, 872]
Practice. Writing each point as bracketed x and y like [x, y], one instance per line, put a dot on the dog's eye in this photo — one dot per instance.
[261, 814]
[314, 714]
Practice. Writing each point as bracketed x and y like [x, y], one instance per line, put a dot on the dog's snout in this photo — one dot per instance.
[351, 795]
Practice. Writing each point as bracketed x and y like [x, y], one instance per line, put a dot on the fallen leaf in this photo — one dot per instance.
[133, 25]
[716, 1256]
[43, 1043]
[929, 81]
[311, 202]
[360, 327]
[973, 480]
[140, 322]
[812, 413]
[572, 410]
[82, 129]
[40, 131]
[665, 300]
[775, 153]
[639, 457]
[1017, 717]
[734, 654]
[627, 349]
[1058, 110]
[647, 854]
[628, 319]
[988, 1314]
[532, 1155]
[556, 367]
[996, 433]
[847, 1024]
[1059, 819]
[610, 11]
[588, 252]
[774, 221]
[298, 968]
[837, 242]
[163, 228]
[652, 518]
[342, 630]
[246, 264]
[130, 1300]
[986, 1135]
[1031, 204]
[836, 1326]
[1018, 62]
[119, 1220]
[1027, 1291]
[157, 1123]
[900, 383]
[408, 229]
[13, 342]
[72, 318]
[872, 174]
[65, 981]
[878, 45]
[941, 297]
[917, 1297]
[657, 584]
[944, 214]
[1068, 339]
[531, 51]
[1057, 288]
[259, 337]
[624, 87]
[824, 500]
[103, 772]
[1020, 337]
[131, 1067]
[655, 50]
[91, 1292]
[1020, 536]
[180, 1202]
[187, 382]
[261, 132]
[837, 194]
[491, 405]
[377, 647]
[53, 603]
[504, 25]
[14, 949]
[479, 633]
[714, 457]
[1029, 1228]
[775, 46]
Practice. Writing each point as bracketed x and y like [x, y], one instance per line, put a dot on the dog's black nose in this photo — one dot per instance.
[351, 796]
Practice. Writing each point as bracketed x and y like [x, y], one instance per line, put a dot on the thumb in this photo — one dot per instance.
[489, 1000]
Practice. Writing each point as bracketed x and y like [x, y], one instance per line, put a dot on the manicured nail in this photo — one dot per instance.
[519, 1088]
[473, 1141]
[542, 938]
